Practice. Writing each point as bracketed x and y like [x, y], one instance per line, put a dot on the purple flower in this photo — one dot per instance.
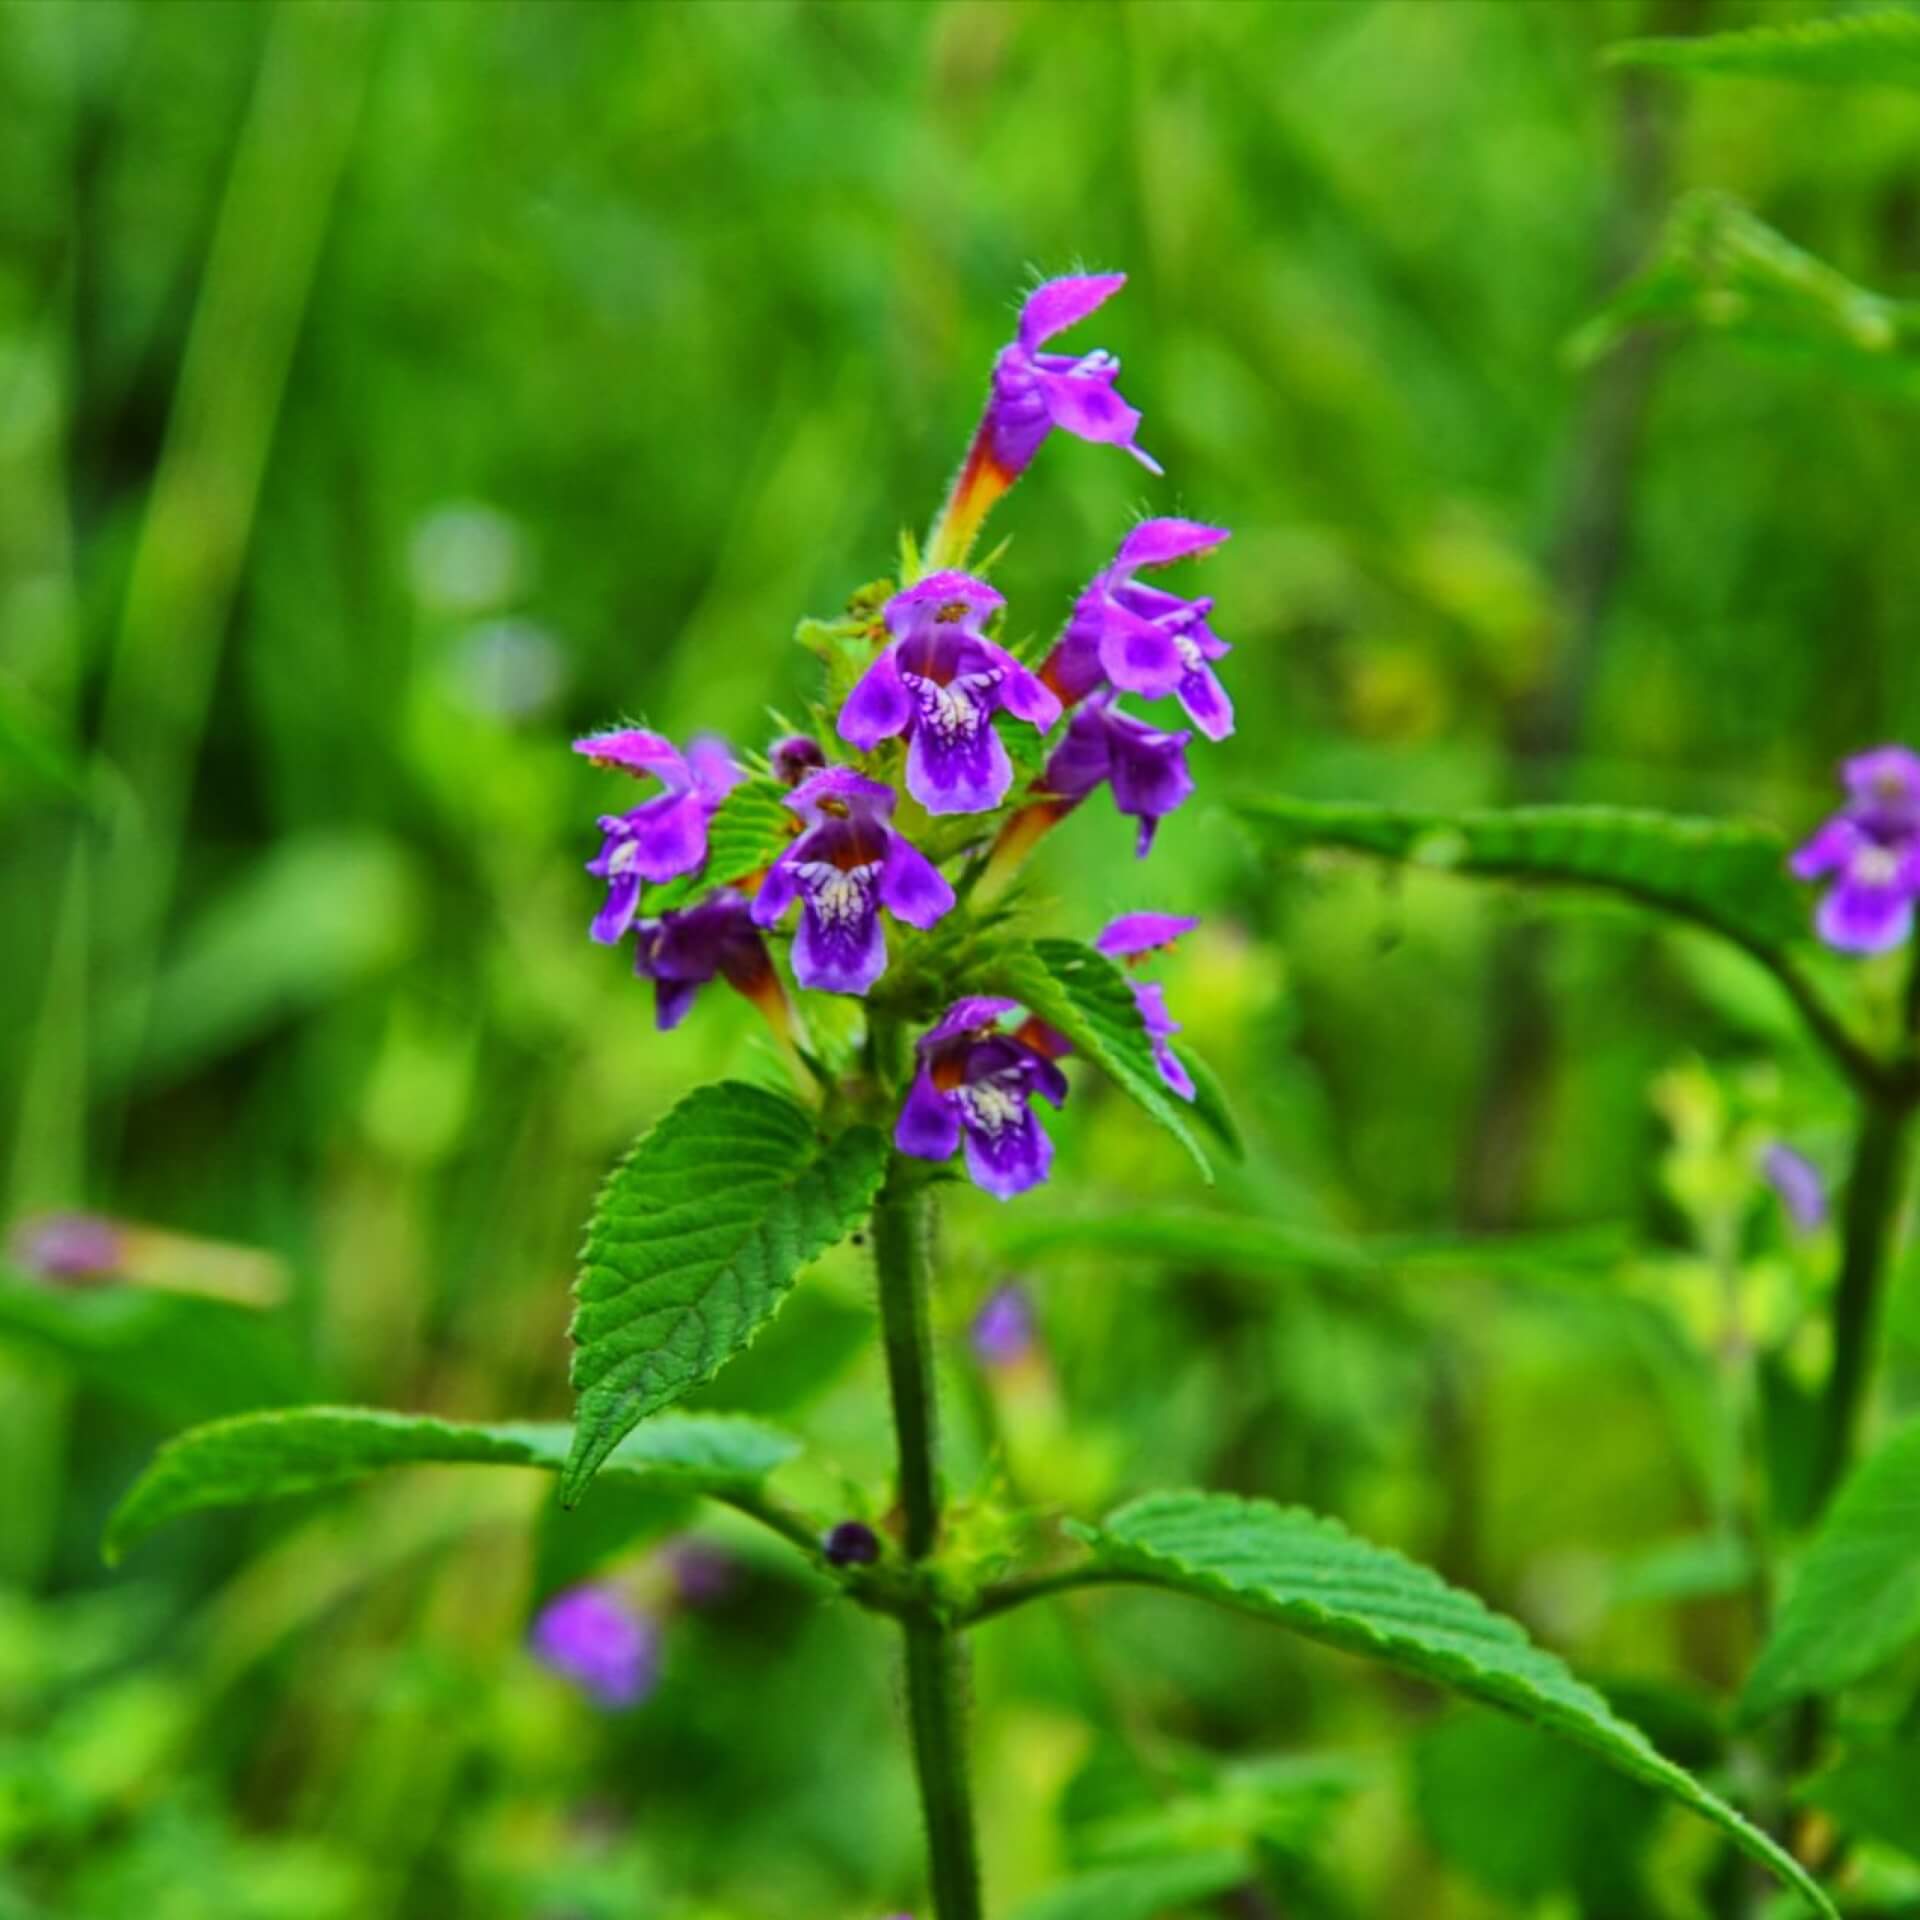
[70, 1249]
[1146, 767]
[682, 951]
[975, 1085]
[940, 683]
[664, 837]
[1034, 392]
[1003, 1332]
[1142, 639]
[1883, 789]
[1130, 939]
[846, 866]
[606, 1647]
[794, 756]
[702, 1573]
[1874, 865]
[1798, 1183]
[850, 1543]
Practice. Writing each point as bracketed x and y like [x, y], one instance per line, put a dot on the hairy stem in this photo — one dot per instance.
[936, 1681]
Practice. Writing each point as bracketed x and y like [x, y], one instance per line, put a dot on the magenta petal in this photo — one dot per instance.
[1173, 1070]
[878, 706]
[912, 888]
[1158, 543]
[1859, 918]
[616, 916]
[637, 752]
[1135, 933]
[1024, 694]
[971, 1011]
[859, 794]
[1086, 404]
[670, 837]
[1883, 777]
[1139, 656]
[715, 771]
[1059, 304]
[1206, 702]
[1830, 849]
[928, 1127]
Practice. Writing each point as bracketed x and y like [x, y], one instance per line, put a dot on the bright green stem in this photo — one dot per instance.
[936, 1681]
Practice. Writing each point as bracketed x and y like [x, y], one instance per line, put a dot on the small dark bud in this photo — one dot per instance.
[851, 1544]
[794, 757]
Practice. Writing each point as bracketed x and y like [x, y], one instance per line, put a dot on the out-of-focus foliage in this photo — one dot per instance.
[390, 392]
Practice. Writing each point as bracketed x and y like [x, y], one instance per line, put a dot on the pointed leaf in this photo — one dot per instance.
[749, 831]
[1082, 994]
[1856, 1600]
[695, 1241]
[273, 1456]
[1310, 1574]
[1879, 48]
[1729, 876]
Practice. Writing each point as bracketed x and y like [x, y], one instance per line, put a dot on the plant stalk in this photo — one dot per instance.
[936, 1680]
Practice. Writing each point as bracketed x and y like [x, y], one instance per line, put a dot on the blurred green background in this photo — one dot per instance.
[389, 392]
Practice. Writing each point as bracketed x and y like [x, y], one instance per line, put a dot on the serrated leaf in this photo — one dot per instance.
[749, 830]
[1856, 1600]
[1082, 994]
[1141, 1892]
[1310, 1574]
[273, 1456]
[1720, 267]
[1877, 48]
[1729, 876]
[695, 1241]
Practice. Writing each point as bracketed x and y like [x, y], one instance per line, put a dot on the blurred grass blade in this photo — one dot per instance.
[1082, 994]
[696, 1239]
[273, 1456]
[1310, 1574]
[1143, 1891]
[1876, 48]
[1856, 1600]
[1721, 268]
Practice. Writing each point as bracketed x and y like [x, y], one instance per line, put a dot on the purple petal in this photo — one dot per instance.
[1085, 402]
[1083, 758]
[1206, 702]
[1173, 1070]
[1864, 917]
[1883, 777]
[606, 1647]
[1022, 693]
[844, 953]
[673, 1001]
[966, 1015]
[1158, 543]
[928, 1127]
[1135, 933]
[948, 599]
[854, 791]
[1059, 304]
[715, 771]
[1830, 849]
[912, 888]
[964, 773]
[1011, 1160]
[1150, 777]
[878, 706]
[1798, 1183]
[669, 836]
[794, 756]
[1046, 1079]
[638, 752]
[1138, 655]
[616, 916]
[1002, 1334]
[779, 888]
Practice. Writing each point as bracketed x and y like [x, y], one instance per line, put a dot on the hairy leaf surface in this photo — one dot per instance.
[273, 1456]
[1310, 1574]
[695, 1241]
[1856, 1600]
[1079, 991]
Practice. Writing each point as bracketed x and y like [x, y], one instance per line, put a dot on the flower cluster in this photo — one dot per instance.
[921, 736]
[1869, 853]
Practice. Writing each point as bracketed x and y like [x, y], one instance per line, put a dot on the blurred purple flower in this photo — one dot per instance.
[1003, 1329]
[1142, 639]
[71, 1249]
[1130, 939]
[604, 1645]
[702, 1573]
[940, 682]
[846, 866]
[1798, 1183]
[1870, 853]
[682, 951]
[1146, 768]
[664, 837]
[975, 1086]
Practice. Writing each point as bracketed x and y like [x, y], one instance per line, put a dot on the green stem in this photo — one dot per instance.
[936, 1681]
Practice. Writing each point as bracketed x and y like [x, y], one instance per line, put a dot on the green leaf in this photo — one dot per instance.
[273, 1456]
[1310, 1574]
[1142, 1892]
[1728, 876]
[1721, 268]
[748, 831]
[1870, 1793]
[1856, 1599]
[1210, 1104]
[695, 1241]
[1082, 994]
[1878, 48]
